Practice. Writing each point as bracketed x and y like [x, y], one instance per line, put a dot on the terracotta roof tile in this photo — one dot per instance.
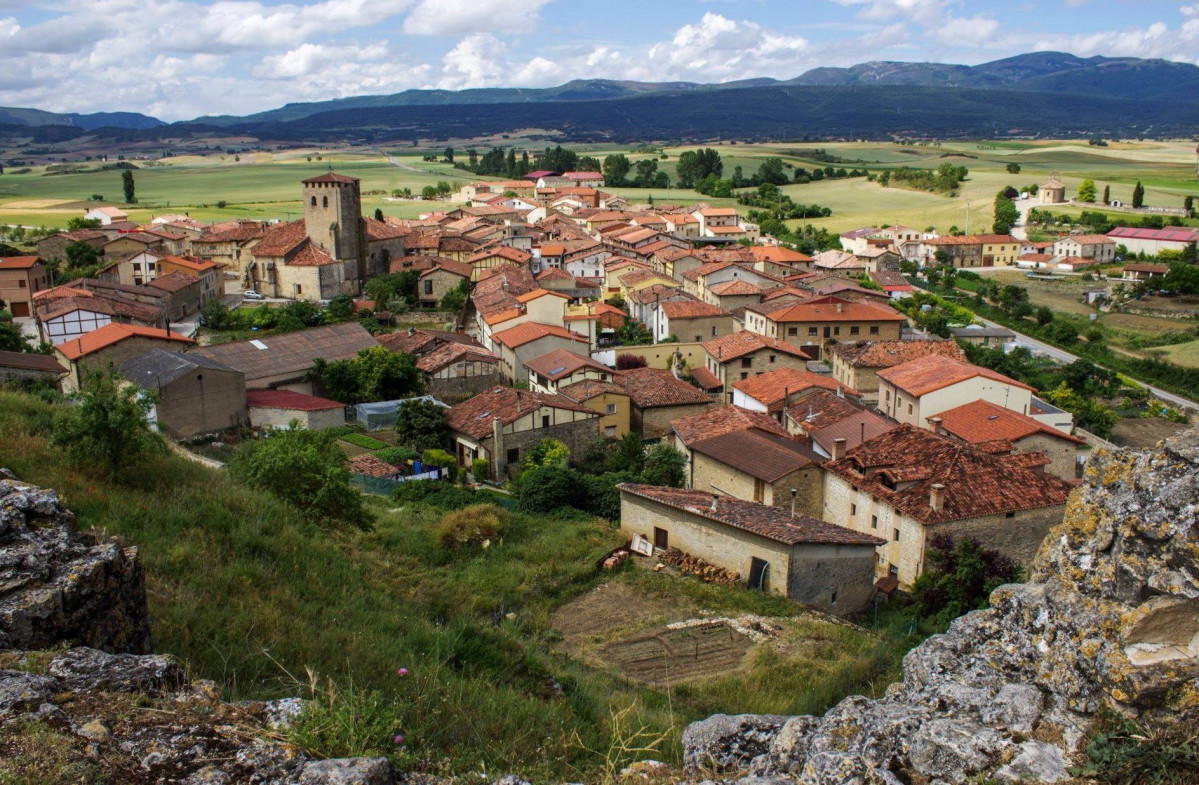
[531, 331]
[764, 456]
[112, 334]
[653, 387]
[983, 421]
[561, 363]
[691, 309]
[976, 484]
[720, 420]
[835, 309]
[774, 523]
[369, 465]
[934, 372]
[281, 239]
[738, 344]
[449, 353]
[886, 354]
[590, 388]
[474, 417]
[772, 388]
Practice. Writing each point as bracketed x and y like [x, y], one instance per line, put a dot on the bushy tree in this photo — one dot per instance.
[127, 185]
[375, 374]
[214, 314]
[305, 469]
[1086, 190]
[664, 465]
[1138, 194]
[1044, 315]
[1013, 168]
[616, 170]
[959, 577]
[1006, 214]
[629, 455]
[626, 361]
[695, 165]
[11, 339]
[1107, 194]
[547, 489]
[341, 308]
[771, 171]
[108, 430]
[547, 452]
[421, 425]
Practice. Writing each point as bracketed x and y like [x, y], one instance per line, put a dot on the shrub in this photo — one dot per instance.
[443, 459]
[470, 525]
[481, 469]
[441, 495]
[421, 424]
[626, 361]
[548, 489]
[108, 430]
[397, 455]
[664, 466]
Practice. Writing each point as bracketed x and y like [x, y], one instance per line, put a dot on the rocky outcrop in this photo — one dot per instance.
[61, 586]
[1109, 620]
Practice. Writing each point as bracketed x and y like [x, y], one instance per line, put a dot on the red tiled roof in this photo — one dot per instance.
[934, 372]
[773, 523]
[449, 353]
[721, 420]
[835, 309]
[369, 465]
[474, 417]
[112, 334]
[561, 363]
[761, 455]
[886, 354]
[173, 281]
[735, 287]
[705, 378]
[30, 362]
[288, 399]
[900, 467]
[777, 253]
[331, 178]
[461, 269]
[983, 421]
[309, 255]
[1172, 234]
[773, 387]
[691, 309]
[503, 251]
[738, 344]
[281, 239]
[652, 387]
[531, 331]
[18, 262]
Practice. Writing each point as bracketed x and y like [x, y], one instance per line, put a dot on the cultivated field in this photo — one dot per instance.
[266, 184]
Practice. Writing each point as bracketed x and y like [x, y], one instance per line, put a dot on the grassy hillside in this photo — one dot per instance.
[254, 599]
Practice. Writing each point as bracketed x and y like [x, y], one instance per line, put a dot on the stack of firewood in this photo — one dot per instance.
[698, 567]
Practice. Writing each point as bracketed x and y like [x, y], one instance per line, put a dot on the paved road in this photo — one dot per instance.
[1046, 350]
[1018, 231]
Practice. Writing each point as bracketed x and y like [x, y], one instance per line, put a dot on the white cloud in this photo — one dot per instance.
[460, 17]
[475, 62]
[976, 28]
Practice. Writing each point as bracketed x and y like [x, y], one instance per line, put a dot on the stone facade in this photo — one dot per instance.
[708, 474]
[462, 380]
[654, 422]
[833, 578]
[202, 402]
[271, 417]
[517, 439]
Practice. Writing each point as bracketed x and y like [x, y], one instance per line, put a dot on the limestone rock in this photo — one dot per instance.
[58, 585]
[19, 689]
[1109, 618]
[348, 771]
[84, 669]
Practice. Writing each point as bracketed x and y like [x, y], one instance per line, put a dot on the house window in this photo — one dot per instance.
[513, 455]
[792, 331]
[428, 287]
[545, 421]
[299, 289]
[744, 375]
[137, 267]
[1010, 515]
[324, 201]
[21, 284]
[853, 509]
[897, 535]
[699, 338]
[713, 331]
[854, 330]
[837, 330]
[610, 431]
[834, 600]
[611, 408]
[772, 358]
[874, 522]
[909, 408]
[874, 329]
[314, 201]
[813, 331]
[747, 362]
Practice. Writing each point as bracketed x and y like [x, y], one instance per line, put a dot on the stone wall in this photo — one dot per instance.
[1018, 537]
[834, 578]
[654, 423]
[575, 435]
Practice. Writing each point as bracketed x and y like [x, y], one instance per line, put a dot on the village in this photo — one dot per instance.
[822, 439]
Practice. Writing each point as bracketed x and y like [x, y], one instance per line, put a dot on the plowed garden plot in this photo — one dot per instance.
[665, 656]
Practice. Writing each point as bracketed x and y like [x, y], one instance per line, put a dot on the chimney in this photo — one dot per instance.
[862, 438]
[936, 497]
[934, 425]
[839, 308]
[838, 448]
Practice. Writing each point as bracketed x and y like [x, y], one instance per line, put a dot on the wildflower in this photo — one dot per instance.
[399, 739]
[402, 672]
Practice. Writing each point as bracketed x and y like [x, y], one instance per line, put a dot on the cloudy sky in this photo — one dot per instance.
[178, 59]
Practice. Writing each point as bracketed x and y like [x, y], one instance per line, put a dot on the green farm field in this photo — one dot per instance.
[266, 184]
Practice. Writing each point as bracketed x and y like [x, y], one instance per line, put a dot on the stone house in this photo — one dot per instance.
[456, 371]
[909, 484]
[743, 354]
[997, 430]
[67, 313]
[802, 558]
[692, 321]
[983, 336]
[53, 248]
[128, 245]
[713, 422]
[732, 295]
[110, 346]
[773, 391]
[497, 256]
[193, 394]
[857, 364]
[230, 245]
[657, 399]
[212, 284]
[517, 345]
[923, 388]
[977, 250]
[1097, 247]
[607, 398]
[813, 323]
[20, 277]
[183, 294]
[280, 408]
[562, 367]
[284, 361]
[502, 424]
[824, 419]
[436, 282]
[762, 467]
[28, 367]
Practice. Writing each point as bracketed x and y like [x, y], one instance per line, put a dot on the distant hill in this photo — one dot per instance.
[1035, 72]
[88, 122]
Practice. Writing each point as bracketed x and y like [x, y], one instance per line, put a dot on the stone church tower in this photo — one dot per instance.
[333, 216]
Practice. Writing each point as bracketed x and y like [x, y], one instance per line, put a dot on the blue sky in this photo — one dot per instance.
[178, 59]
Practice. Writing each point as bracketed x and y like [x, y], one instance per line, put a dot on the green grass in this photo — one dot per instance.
[254, 599]
[1184, 354]
[364, 441]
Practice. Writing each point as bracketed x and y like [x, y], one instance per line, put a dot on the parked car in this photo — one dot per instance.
[250, 294]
